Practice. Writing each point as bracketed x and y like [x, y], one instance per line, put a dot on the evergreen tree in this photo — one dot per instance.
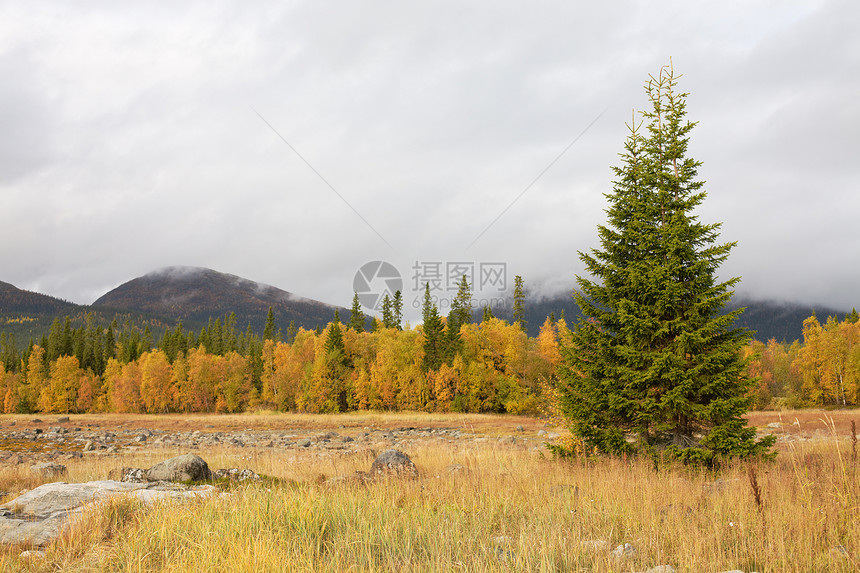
[291, 332]
[356, 316]
[852, 317]
[488, 313]
[460, 314]
[519, 315]
[269, 328]
[433, 332]
[652, 356]
[397, 310]
[387, 314]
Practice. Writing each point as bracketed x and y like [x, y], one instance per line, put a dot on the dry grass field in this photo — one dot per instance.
[480, 503]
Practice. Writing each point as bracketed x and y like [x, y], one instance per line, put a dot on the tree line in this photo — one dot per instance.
[446, 364]
[821, 370]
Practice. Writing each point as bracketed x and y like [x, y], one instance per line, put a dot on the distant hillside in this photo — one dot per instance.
[194, 295]
[769, 319]
[24, 302]
[26, 314]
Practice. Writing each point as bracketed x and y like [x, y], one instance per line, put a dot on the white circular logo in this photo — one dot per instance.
[373, 281]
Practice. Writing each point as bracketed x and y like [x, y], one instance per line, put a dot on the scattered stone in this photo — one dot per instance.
[520, 429]
[541, 433]
[661, 569]
[187, 467]
[140, 438]
[49, 470]
[625, 551]
[235, 474]
[128, 475]
[36, 421]
[508, 441]
[732, 571]
[304, 443]
[32, 554]
[89, 446]
[63, 420]
[393, 462]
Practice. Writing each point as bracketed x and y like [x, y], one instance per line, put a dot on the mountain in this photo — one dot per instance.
[767, 318]
[23, 302]
[194, 295]
[27, 314]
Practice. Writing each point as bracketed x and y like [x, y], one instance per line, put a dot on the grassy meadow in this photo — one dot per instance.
[478, 505]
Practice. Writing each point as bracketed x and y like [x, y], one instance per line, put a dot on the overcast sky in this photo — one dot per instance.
[292, 143]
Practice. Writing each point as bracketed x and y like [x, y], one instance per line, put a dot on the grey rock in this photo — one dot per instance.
[187, 467]
[235, 474]
[89, 446]
[393, 462]
[661, 569]
[128, 475]
[63, 420]
[623, 551]
[32, 554]
[39, 516]
[303, 443]
[49, 470]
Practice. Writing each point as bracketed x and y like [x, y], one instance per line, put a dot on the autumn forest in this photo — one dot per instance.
[489, 366]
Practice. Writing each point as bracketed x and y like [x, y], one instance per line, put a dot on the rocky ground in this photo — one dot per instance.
[32, 440]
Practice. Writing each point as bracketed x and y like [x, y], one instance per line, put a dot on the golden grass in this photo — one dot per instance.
[510, 509]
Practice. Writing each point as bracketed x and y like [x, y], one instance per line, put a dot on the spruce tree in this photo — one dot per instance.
[519, 314]
[397, 310]
[356, 316]
[460, 314]
[652, 358]
[433, 333]
[269, 328]
[387, 313]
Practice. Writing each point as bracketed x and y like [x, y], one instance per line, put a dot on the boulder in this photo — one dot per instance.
[393, 462]
[39, 516]
[187, 467]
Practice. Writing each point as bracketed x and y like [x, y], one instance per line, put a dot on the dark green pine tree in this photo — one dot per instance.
[652, 358]
[519, 314]
[433, 333]
[852, 317]
[291, 332]
[460, 314]
[487, 314]
[397, 310]
[269, 328]
[387, 313]
[356, 316]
